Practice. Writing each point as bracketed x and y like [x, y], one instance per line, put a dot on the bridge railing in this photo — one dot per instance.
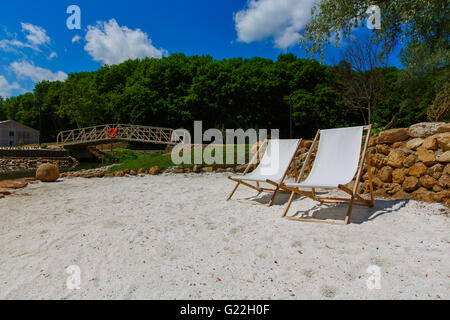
[126, 132]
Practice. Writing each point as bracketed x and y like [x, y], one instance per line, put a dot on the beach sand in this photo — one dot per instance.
[175, 237]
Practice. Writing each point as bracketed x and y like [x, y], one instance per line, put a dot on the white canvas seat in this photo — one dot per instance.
[275, 162]
[339, 159]
[273, 167]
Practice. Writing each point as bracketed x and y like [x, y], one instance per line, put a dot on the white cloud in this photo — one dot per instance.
[77, 38]
[8, 34]
[281, 20]
[25, 69]
[6, 88]
[11, 45]
[52, 55]
[110, 43]
[36, 35]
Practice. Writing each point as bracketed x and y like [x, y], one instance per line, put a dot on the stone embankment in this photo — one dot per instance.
[24, 160]
[407, 163]
[412, 163]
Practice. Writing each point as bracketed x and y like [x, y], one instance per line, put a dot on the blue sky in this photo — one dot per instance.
[35, 43]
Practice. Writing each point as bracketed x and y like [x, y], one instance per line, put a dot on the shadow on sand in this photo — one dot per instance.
[331, 212]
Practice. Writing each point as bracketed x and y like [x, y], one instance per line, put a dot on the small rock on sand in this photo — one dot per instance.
[47, 172]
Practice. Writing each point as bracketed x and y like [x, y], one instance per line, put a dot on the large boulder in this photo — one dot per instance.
[444, 181]
[400, 145]
[401, 195]
[377, 183]
[411, 184]
[445, 157]
[383, 149]
[423, 194]
[410, 160]
[442, 196]
[436, 171]
[385, 174]
[444, 141]
[428, 182]
[414, 143]
[373, 141]
[398, 176]
[47, 172]
[426, 129]
[447, 169]
[393, 135]
[377, 160]
[396, 158]
[428, 157]
[392, 188]
[431, 143]
[418, 170]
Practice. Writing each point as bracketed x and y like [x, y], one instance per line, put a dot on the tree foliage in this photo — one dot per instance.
[413, 23]
[420, 26]
[361, 77]
[231, 93]
[440, 109]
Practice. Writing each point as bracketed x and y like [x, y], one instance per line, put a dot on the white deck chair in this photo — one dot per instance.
[272, 169]
[339, 159]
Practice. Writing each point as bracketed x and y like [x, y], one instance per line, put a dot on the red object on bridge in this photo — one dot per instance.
[112, 133]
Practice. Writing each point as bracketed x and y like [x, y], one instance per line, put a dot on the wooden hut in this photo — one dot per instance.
[13, 134]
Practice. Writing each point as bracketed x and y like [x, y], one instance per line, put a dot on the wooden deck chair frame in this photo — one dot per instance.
[355, 199]
[277, 187]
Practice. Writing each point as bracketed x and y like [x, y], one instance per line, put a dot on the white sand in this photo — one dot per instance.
[175, 237]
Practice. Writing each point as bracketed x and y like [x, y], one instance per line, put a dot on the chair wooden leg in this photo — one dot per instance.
[274, 196]
[291, 199]
[372, 199]
[234, 190]
[349, 212]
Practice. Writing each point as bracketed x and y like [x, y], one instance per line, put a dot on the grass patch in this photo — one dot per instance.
[135, 160]
[145, 162]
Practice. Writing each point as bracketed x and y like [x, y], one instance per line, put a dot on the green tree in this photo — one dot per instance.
[416, 23]
[2, 110]
[230, 93]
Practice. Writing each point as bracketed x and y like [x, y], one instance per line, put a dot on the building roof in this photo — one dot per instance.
[18, 123]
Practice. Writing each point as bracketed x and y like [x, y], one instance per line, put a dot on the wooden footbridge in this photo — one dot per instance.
[104, 134]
